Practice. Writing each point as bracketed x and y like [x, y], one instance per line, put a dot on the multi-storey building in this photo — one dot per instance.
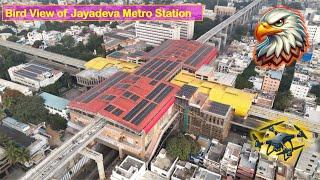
[55, 104]
[271, 81]
[138, 106]
[163, 164]
[130, 169]
[229, 162]
[248, 162]
[34, 75]
[214, 155]
[314, 34]
[186, 28]
[265, 170]
[224, 10]
[201, 116]
[154, 33]
[14, 86]
[300, 89]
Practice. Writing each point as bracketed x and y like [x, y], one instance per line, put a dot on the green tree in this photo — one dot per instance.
[148, 48]
[57, 122]
[7, 30]
[201, 27]
[13, 38]
[113, 24]
[316, 91]
[16, 154]
[239, 31]
[68, 41]
[37, 44]
[181, 146]
[283, 100]
[242, 80]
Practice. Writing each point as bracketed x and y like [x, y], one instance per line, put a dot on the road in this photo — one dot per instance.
[62, 155]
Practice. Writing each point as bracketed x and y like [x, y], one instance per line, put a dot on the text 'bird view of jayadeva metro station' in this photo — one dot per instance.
[139, 106]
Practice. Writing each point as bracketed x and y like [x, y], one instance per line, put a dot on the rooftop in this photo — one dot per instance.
[129, 166]
[8, 121]
[239, 100]
[216, 152]
[163, 161]
[266, 169]
[92, 73]
[184, 170]
[249, 157]
[100, 63]
[139, 99]
[11, 85]
[275, 74]
[54, 101]
[18, 137]
[204, 174]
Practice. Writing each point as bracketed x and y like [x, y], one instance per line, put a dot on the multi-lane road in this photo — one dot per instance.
[62, 155]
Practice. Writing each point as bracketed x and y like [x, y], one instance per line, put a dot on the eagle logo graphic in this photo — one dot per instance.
[282, 37]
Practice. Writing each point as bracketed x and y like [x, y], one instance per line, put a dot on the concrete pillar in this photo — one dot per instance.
[102, 175]
[223, 38]
[216, 39]
[121, 153]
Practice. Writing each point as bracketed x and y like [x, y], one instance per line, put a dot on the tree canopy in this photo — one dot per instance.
[13, 152]
[242, 80]
[31, 109]
[8, 59]
[181, 146]
[201, 27]
[13, 38]
[316, 91]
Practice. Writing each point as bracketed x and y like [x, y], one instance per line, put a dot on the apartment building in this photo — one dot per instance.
[265, 170]
[300, 89]
[186, 28]
[214, 155]
[163, 164]
[314, 34]
[248, 162]
[271, 81]
[14, 86]
[224, 10]
[130, 169]
[154, 33]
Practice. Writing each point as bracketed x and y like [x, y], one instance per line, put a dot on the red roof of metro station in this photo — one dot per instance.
[138, 100]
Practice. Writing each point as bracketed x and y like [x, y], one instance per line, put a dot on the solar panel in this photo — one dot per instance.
[153, 74]
[109, 108]
[198, 55]
[108, 97]
[117, 112]
[154, 52]
[143, 113]
[145, 73]
[187, 91]
[41, 68]
[27, 74]
[97, 90]
[140, 71]
[163, 66]
[219, 108]
[134, 97]
[34, 70]
[163, 94]
[135, 110]
[172, 66]
[156, 91]
[127, 94]
[153, 82]
[162, 75]
[157, 64]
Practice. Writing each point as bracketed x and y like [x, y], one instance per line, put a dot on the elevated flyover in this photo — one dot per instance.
[46, 56]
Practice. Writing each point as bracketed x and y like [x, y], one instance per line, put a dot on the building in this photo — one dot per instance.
[265, 100]
[186, 28]
[257, 83]
[204, 174]
[207, 73]
[92, 77]
[265, 170]
[284, 172]
[224, 65]
[163, 164]
[14, 86]
[130, 169]
[34, 75]
[4, 163]
[224, 10]
[201, 116]
[307, 163]
[314, 34]
[248, 162]
[115, 39]
[138, 106]
[213, 156]
[184, 170]
[36, 144]
[271, 81]
[156, 33]
[55, 104]
[17, 125]
[229, 162]
[300, 89]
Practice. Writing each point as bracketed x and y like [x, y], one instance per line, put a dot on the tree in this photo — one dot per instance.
[181, 146]
[148, 48]
[13, 152]
[9, 97]
[242, 80]
[113, 24]
[239, 31]
[201, 27]
[57, 122]
[68, 41]
[37, 44]
[13, 38]
[316, 91]
[283, 100]
[7, 30]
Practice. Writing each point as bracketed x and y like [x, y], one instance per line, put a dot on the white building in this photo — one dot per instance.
[130, 169]
[14, 86]
[34, 75]
[186, 28]
[257, 82]
[314, 34]
[301, 76]
[163, 164]
[156, 33]
[299, 89]
[229, 162]
[55, 104]
[184, 170]
[14, 124]
[265, 170]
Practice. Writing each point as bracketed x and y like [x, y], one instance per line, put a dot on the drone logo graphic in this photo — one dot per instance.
[276, 139]
[282, 36]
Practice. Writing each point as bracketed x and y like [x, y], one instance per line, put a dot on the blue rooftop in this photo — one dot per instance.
[275, 74]
[307, 57]
[54, 101]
